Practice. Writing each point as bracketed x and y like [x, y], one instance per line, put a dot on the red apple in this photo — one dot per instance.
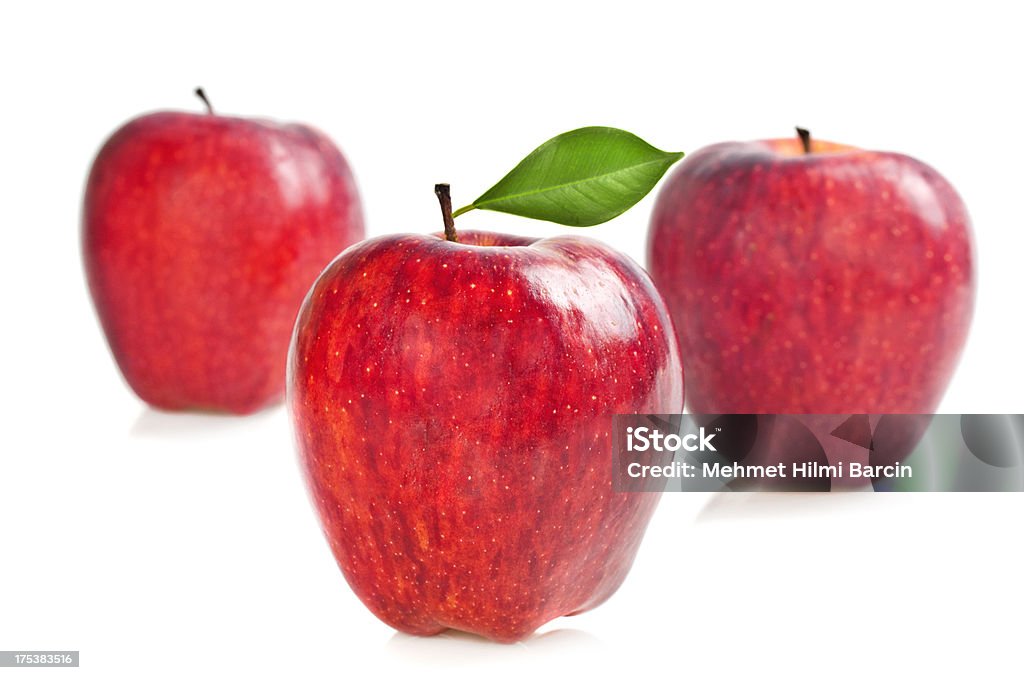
[201, 235]
[826, 280]
[453, 406]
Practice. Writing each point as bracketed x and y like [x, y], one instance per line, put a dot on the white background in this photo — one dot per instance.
[163, 544]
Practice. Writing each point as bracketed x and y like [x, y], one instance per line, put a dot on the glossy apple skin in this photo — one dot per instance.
[453, 407]
[201, 235]
[836, 282]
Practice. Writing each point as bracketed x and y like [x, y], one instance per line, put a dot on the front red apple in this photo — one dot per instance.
[201, 235]
[828, 281]
[453, 406]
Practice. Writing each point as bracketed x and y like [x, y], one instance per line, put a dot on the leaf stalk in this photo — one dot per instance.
[444, 197]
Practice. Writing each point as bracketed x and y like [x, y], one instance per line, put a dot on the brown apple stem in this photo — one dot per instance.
[805, 138]
[444, 197]
[202, 95]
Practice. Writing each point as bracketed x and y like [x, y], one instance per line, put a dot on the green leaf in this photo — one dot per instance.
[579, 178]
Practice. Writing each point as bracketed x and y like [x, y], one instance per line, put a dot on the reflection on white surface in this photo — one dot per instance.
[467, 648]
[726, 505]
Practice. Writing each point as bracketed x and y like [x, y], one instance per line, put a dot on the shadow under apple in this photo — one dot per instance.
[183, 425]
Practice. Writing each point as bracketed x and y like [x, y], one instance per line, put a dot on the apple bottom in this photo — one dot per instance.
[493, 616]
[490, 561]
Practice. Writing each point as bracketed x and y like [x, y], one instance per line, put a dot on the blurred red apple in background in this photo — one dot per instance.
[813, 278]
[453, 406]
[201, 235]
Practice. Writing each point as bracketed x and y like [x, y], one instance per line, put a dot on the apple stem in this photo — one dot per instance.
[805, 138]
[202, 95]
[444, 197]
